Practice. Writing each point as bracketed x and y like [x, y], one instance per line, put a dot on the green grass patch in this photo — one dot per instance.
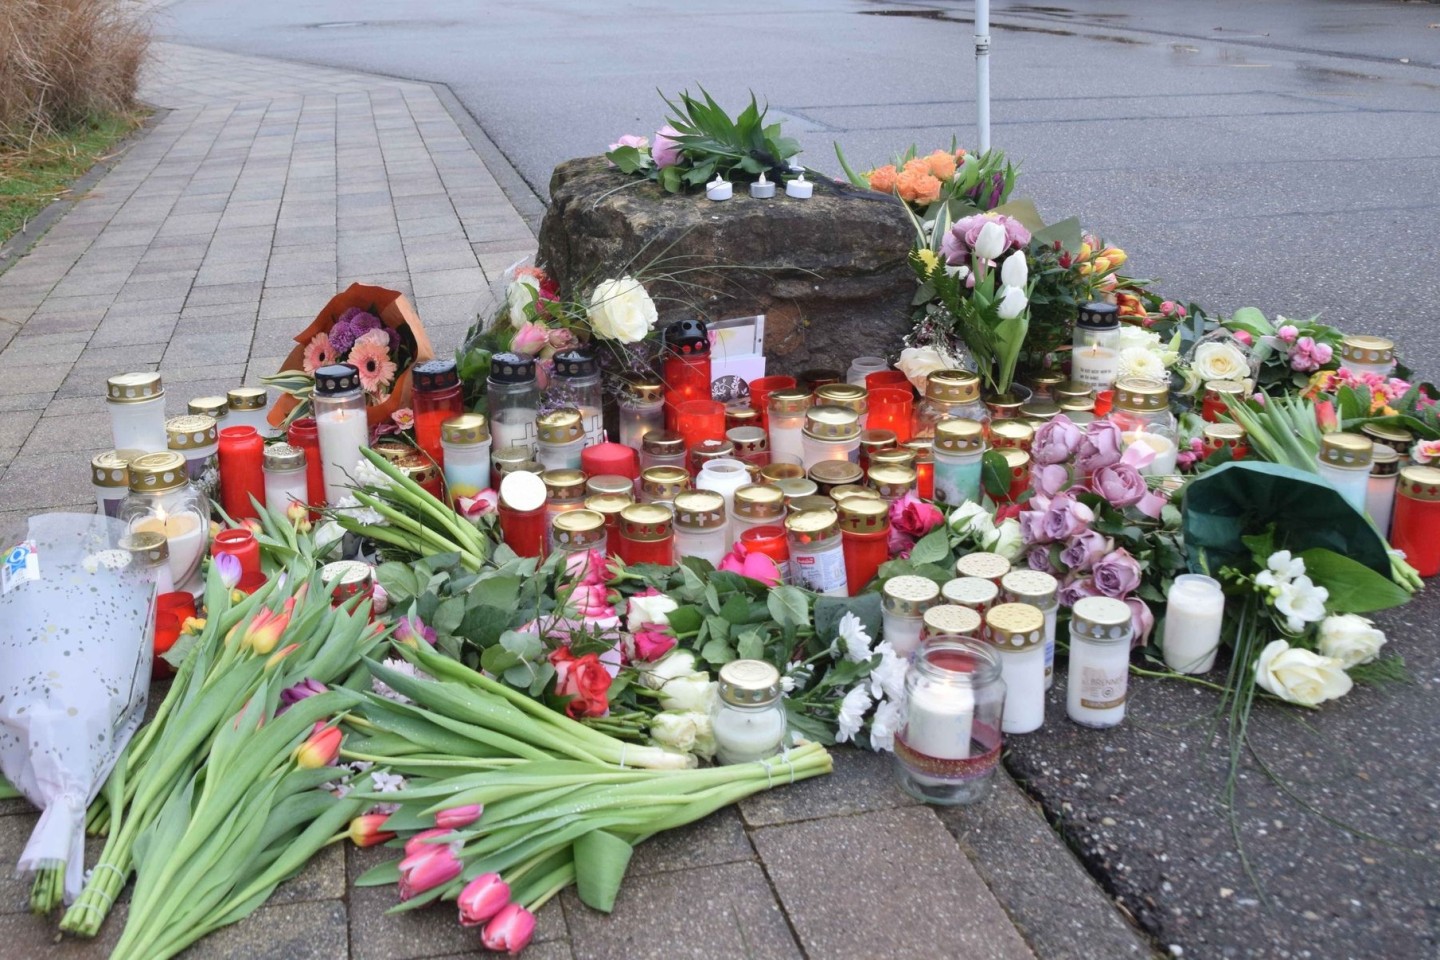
[39, 172]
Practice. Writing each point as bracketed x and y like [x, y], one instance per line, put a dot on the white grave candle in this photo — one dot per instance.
[938, 719]
[1164, 448]
[1095, 365]
[1194, 612]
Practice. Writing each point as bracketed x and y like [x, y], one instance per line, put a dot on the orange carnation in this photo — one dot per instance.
[916, 166]
[917, 186]
[941, 164]
[882, 179]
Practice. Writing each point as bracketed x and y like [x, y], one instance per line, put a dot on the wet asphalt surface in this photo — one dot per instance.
[1284, 155]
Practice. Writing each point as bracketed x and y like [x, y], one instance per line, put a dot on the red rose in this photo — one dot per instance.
[584, 680]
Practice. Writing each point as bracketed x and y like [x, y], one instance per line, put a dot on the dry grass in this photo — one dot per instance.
[63, 62]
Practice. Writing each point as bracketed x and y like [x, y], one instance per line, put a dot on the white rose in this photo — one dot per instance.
[1220, 361]
[621, 310]
[695, 693]
[1012, 304]
[1300, 676]
[1351, 639]
[1009, 542]
[917, 363]
[1140, 362]
[652, 609]
[962, 516]
[674, 730]
[672, 666]
[520, 294]
[1014, 272]
[1131, 335]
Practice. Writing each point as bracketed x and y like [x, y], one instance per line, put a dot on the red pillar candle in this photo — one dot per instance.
[436, 397]
[610, 459]
[242, 471]
[1018, 462]
[240, 544]
[521, 513]
[646, 535]
[887, 378]
[760, 390]
[687, 368]
[1104, 400]
[1415, 529]
[924, 466]
[305, 435]
[865, 537]
[700, 420]
[891, 408]
[771, 541]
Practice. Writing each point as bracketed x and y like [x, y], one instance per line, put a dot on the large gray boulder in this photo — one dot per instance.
[829, 273]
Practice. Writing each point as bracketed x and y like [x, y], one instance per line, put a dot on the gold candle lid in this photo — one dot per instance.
[1101, 618]
[958, 435]
[662, 483]
[749, 683]
[1043, 384]
[833, 473]
[970, 592]
[849, 491]
[923, 447]
[611, 483]
[952, 386]
[645, 522]
[1348, 451]
[1384, 462]
[215, 407]
[1071, 390]
[908, 596]
[1017, 460]
[832, 423]
[1141, 394]
[134, 387]
[607, 504]
[578, 529]
[282, 456]
[949, 619]
[1218, 435]
[895, 456]
[1005, 406]
[1397, 438]
[565, 425]
[1419, 483]
[986, 566]
[760, 501]
[811, 501]
[863, 515]
[872, 441]
[891, 480]
[154, 472]
[247, 398]
[564, 485]
[1361, 348]
[1010, 434]
[794, 487]
[740, 415]
[509, 455]
[775, 472]
[852, 396]
[707, 450]
[791, 400]
[648, 391]
[468, 428]
[1215, 389]
[415, 464]
[747, 440]
[190, 432]
[147, 548]
[699, 510]
[1041, 410]
[662, 443]
[1016, 627]
[110, 469]
[812, 526]
[1034, 587]
[1078, 405]
[345, 573]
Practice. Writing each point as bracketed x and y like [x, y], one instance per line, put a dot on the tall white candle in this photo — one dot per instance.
[1024, 674]
[1194, 613]
[1095, 365]
[939, 718]
[1100, 635]
[1164, 448]
[343, 432]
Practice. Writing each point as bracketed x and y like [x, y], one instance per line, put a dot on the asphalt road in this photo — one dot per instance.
[1282, 154]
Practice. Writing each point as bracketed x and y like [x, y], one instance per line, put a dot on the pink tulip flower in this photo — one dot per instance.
[453, 818]
[428, 869]
[482, 899]
[510, 931]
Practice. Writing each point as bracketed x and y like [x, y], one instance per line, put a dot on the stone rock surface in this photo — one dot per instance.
[829, 273]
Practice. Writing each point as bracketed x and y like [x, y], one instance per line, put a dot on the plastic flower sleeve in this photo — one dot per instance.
[76, 621]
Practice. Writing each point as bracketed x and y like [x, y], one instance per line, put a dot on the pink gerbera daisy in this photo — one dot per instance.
[371, 356]
[318, 353]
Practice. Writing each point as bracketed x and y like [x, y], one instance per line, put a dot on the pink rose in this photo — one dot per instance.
[592, 602]
[652, 643]
[1032, 526]
[749, 563]
[1169, 308]
[562, 339]
[1116, 574]
[1244, 337]
[631, 140]
[899, 544]
[914, 517]
[484, 502]
[1049, 479]
[666, 151]
[1309, 356]
[590, 567]
[1056, 441]
[1142, 620]
[1100, 447]
[1077, 588]
[1120, 484]
[1288, 332]
[531, 339]
[1067, 517]
[1082, 552]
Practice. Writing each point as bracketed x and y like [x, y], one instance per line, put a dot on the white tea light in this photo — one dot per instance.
[762, 189]
[719, 189]
[799, 188]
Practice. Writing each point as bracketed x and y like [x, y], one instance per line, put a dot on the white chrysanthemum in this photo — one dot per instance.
[888, 677]
[364, 515]
[1140, 362]
[381, 688]
[853, 641]
[382, 782]
[888, 717]
[367, 474]
[852, 713]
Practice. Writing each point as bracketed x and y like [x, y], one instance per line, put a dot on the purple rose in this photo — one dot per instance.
[1100, 447]
[1038, 558]
[1120, 484]
[1055, 441]
[1075, 589]
[1066, 518]
[1082, 552]
[1049, 479]
[1032, 521]
[1116, 574]
[665, 151]
[1142, 621]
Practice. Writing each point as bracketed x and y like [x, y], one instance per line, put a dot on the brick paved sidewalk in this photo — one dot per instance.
[214, 239]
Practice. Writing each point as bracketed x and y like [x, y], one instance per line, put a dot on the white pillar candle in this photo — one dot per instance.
[1164, 448]
[938, 719]
[1194, 612]
[1024, 675]
[343, 432]
[1095, 365]
[1098, 682]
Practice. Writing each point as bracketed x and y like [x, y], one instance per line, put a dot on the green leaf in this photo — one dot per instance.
[449, 615]
[1354, 587]
[934, 547]
[527, 646]
[830, 610]
[600, 862]
[719, 627]
[717, 652]
[736, 609]
[789, 606]
[399, 581]
[495, 660]
[995, 474]
[685, 619]
[750, 646]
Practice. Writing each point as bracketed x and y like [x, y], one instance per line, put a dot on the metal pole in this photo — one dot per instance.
[982, 72]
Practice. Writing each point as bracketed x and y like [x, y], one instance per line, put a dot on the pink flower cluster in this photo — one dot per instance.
[910, 519]
[1391, 388]
[1191, 455]
[958, 246]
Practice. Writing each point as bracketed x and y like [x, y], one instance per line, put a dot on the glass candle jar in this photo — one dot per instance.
[776, 472]
[151, 552]
[748, 718]
[1017, 465]
[924, 465]
[903, 602]
[707, 450]
[110, 476]
[646, 535]
[415, 465]
[891, 481]
[847, 491]
[466, 439]
[136, 402]
[973, 593]
[700, 420]
[873, 441]
[1007, 435]
[1100, 636]
[1095, 357]
[305, 434]
[521, 512]
[504, 460]
[347, 579]
[194, 437]
[1415, 529]
[661, 448]
[751, 443]
[724, 476]
[1213, 407]
[162, 500]
[1396, 438]
[813, 501]
[1229, 436]
[610, 483]
[887, 378]
[817, 377]
[959, 451]
[241, 544]
[797, 489]
[1380, 494]
[864, 540]
[702, 528]
[829, 474]
[891, 409]
[512, 397]
[577, 531]
[1039, 590]
[435, 398]
[642, 411]
[1361, 354]
[1017, 631]
[560, 436]
[760, 390]
[285, 477]
[1142, 412]
[862, 367]
[343, 429]
[1042, 385]
[575, 382]
[247, 408]
[609, 505]
[564, 491]
[1003, 406]
[787, 423]
[830, 433]
[846, 395]
[217, 408]
[756, 505]
[948, 394]
[772, 541]
[1194, 615]
[948, 746]
[661, 484]
[686, 367]
[1035, 413]
[1345, 465]
[951, 620]
[817, 558]
[740, 414]
[242, 471]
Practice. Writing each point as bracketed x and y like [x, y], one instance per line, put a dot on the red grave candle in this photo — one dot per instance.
[436, 398]
[1415, 528]
[610, 459]
[687, 368]
[865, 538]
[700, 420]
[240, 544]
[304, 434]
[646, 535]
[242, 471]
[924, 467]
[760, 390]
[770, 540]
[521, 513]
[1018, 461]
[887, 378]
[891, 409]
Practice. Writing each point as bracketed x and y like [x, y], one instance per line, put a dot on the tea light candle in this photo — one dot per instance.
[762, 189]
[1095, 365]
[939, 719]
[1165, 453]
[799, 188]
[1194, 611]
[719, 189]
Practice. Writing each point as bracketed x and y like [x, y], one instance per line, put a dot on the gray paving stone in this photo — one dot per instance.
[892, 883]
[67, 433]
[25, 379]
[48, 477]
[28, 937]
[232, 295]
[862, 781]
[719, 838]
[297, 931]
[24, 401]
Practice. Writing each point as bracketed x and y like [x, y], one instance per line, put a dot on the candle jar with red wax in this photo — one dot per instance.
[948, 393]
[708, 450]
[700, 420]
[436, 397]
[865, 536]
[347, 579]
[848, 395]
[760, 390]
[891, 408]
[414, 464]
[1415, 528]
[242, 471]
[1018, 463]
[741, 414]
[646, 535]
[817, 377]
[521, 512]
[1230, 436]
[610, 459]
[887, 378]
[304, 434]
[924, 448]
[751, 443]
[240, 544]
[1212, 408]
[872, 441]
[770, 539]
[687, 369]
[564, 492]
[609, 505]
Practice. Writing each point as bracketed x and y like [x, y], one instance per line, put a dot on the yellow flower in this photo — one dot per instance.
[927, 259]
[192, 625]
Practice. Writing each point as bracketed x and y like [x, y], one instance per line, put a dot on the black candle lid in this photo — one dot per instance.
[336, 378]
[512, 368]
[1099, 316]
[575, 363]
[435, 375]
[688, 336]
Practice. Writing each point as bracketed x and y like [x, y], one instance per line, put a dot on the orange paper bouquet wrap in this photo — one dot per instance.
[394, 311]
